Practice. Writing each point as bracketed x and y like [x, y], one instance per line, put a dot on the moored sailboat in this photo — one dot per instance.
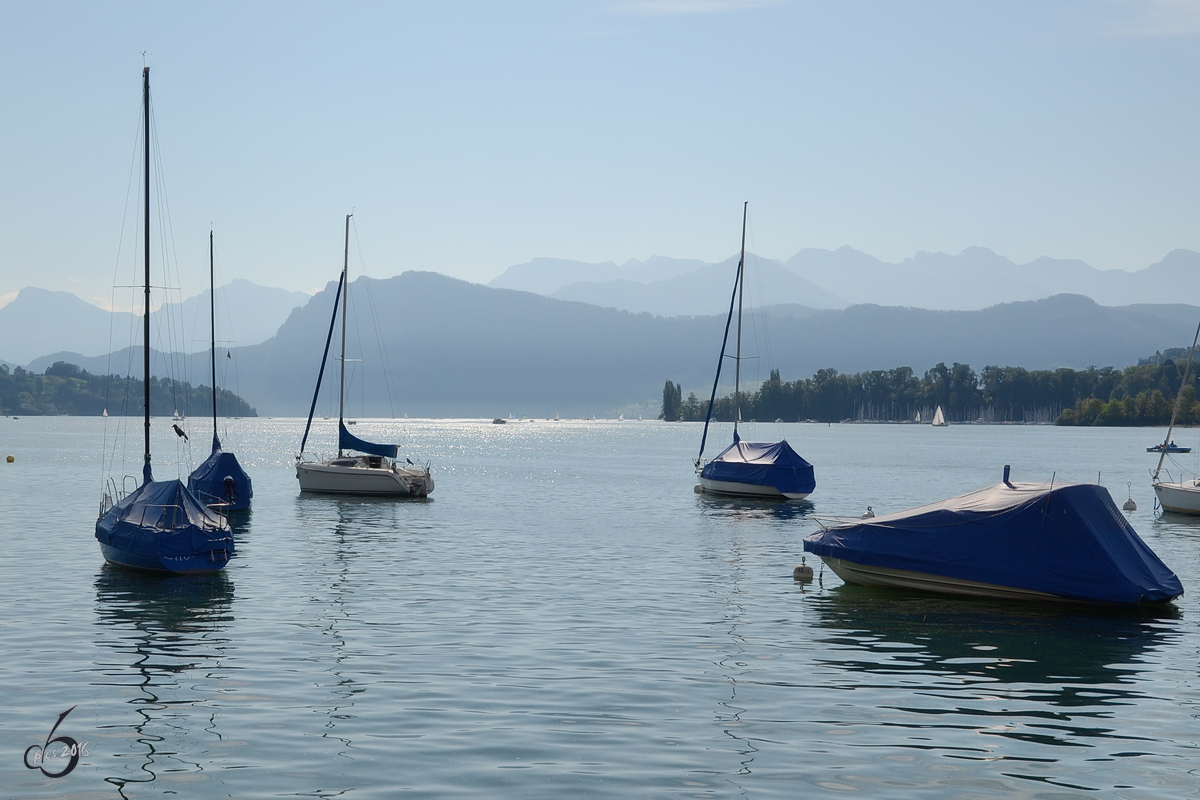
[1182, 496]
[160, 526]
[220, 482]
[375, 470]
[749, 469]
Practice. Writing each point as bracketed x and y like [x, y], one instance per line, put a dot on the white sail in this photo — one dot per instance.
[938, 420]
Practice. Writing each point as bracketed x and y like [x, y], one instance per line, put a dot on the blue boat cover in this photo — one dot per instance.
[161, 519]
[1069, 541]
[762, 464]
[208, 481]
[348, 441]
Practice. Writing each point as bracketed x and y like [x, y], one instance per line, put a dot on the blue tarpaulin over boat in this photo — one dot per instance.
[1069, 541]
[762, 464]
[348, 441]
[210, 485]
[161, 525]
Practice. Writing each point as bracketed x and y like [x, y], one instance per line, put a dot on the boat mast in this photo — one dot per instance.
[712, 398]
[345, 291]
[737, 365]
[212, 321]
[1175, 411]
[146, 475]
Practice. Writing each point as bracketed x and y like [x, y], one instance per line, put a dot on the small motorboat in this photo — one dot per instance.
[1016, 541]
[1169, 448]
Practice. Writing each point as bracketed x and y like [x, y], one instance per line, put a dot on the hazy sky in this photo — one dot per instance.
[470, 136]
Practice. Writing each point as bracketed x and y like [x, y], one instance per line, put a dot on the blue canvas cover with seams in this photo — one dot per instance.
[162, 519]
[1067, 540]
[348, 441]
[208, 482]
[762, 464]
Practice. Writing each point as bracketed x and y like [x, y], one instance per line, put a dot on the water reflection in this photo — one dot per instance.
[165, 632]
[748, 508]
[1044, 674]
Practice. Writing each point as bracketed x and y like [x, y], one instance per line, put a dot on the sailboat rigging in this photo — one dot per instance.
[376, 472]
[749, 469]
[220, 482]
[160, 526]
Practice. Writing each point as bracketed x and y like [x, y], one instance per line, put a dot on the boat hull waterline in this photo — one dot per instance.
[734, 489]
[359, 477]
[1181, 498]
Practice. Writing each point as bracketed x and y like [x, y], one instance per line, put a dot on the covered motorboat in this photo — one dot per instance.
[1024, 541]
[759, 469]
[162, 527]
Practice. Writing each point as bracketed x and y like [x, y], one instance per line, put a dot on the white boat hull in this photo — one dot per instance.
[866, 575]
[734, 489]
[363, 477]
[1182, 498]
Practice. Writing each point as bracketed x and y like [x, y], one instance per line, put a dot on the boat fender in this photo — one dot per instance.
[802, 573]
[698, 489]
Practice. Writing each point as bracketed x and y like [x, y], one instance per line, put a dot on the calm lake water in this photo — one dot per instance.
[566, 617]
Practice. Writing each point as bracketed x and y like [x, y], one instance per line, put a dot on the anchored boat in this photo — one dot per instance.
[1015, 541]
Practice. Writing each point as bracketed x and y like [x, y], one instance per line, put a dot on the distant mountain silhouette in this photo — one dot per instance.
[704, 290]
[39, 322]
[459, 349]
[979, 278]
[974, 279]
[548, 275]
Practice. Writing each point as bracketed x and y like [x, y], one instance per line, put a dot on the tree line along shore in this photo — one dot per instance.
[65, 389]
[1142, 395]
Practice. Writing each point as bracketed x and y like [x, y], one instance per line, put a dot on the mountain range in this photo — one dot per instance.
[974, 279]
[453, 348]
[38, 321]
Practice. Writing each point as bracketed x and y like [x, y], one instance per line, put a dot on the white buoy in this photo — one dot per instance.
[1129, 504]
[870, 513]
[802, 572]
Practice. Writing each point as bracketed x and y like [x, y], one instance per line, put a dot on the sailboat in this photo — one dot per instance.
[160, 526]
[939, 419]
[754, 469]
[375, 472]
[220, 481]
[1183, 496]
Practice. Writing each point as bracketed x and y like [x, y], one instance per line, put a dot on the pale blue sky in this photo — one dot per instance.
[470, 136]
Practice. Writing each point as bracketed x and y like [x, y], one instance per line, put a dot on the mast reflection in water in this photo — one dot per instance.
[166, 637]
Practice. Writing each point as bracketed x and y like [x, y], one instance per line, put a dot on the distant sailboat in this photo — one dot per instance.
[755, 469]
[220, 482]
[939, 421]
[160, 526]
[917, 419]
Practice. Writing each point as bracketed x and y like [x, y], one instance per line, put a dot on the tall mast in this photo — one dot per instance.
[212, 321]
[146, 474]
[345, 291]
[737, 368]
